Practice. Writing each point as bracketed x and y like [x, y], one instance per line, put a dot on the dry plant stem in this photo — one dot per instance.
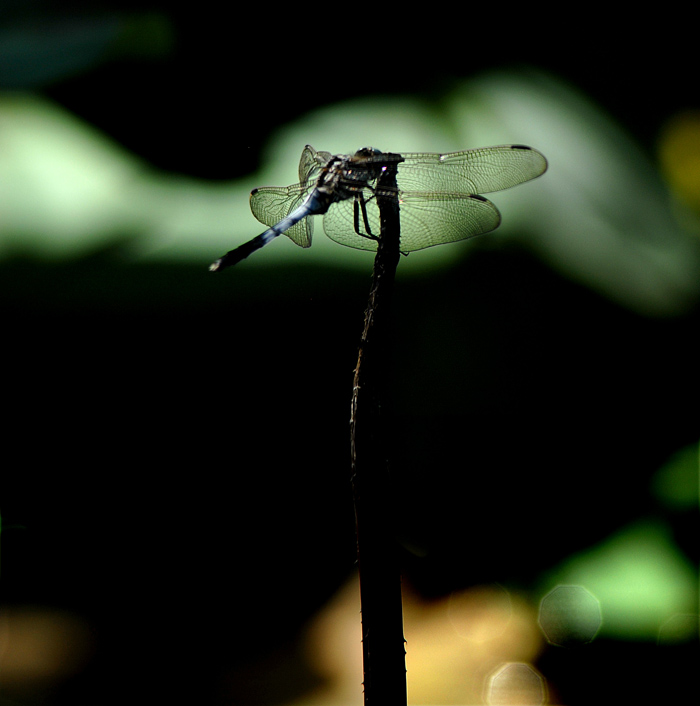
[375, 514]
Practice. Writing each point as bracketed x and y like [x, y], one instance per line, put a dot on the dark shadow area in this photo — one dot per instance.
[177, 448]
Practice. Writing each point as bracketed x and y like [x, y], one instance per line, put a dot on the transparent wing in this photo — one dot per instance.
[439, 199]
[427, 219]
[478, 171]
[311, 163]
[270, 204]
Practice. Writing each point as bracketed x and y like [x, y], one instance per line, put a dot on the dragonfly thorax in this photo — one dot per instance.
[345, 176]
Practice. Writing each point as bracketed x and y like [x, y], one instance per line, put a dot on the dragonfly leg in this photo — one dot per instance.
[360, 206]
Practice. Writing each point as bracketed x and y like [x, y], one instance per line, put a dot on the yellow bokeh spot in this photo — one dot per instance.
[679, 153]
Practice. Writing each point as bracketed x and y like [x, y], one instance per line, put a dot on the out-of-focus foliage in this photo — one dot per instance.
[679, 154]
[601, 214]
[639, 577]
[36, 49]
[677, 483]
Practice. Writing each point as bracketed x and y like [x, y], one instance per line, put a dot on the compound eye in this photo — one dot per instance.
[367, 152]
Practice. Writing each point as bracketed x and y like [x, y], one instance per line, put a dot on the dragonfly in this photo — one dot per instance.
[439, 197]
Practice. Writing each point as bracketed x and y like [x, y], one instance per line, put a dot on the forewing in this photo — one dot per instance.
[478, 171]
[270, 204]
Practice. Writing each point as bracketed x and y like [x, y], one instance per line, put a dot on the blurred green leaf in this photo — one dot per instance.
[638, 575]
[677, 482]
[601, 215]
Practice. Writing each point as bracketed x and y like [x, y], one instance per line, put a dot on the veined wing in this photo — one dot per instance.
[439, 197]
[270, 204]
[477, 171]
[427, 219]
[311, 164]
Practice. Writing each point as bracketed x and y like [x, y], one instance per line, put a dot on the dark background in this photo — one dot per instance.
[176, 451]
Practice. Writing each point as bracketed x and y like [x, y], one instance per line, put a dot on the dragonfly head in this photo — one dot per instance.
[367, 152]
